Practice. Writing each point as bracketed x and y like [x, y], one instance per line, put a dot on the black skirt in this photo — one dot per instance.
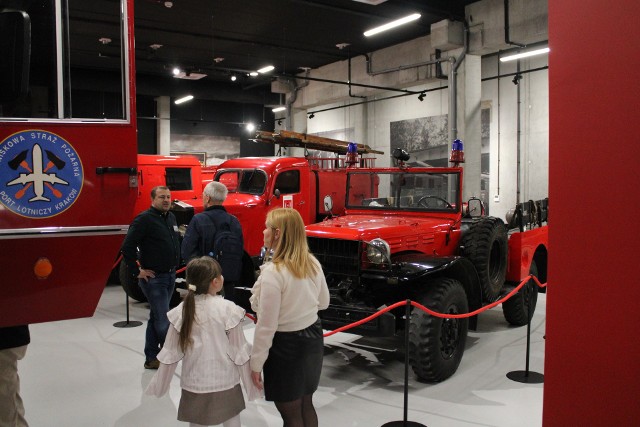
[294, 364]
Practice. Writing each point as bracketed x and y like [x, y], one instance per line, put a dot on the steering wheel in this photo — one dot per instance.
[423, 202]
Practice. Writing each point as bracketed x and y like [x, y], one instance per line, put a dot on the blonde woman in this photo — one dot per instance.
[206, 334]
[288, 345]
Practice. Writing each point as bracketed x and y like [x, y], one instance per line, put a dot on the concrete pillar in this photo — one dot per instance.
[163, 127]
[468, 123]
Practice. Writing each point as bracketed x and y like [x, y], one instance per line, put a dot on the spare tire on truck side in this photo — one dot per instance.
[485, 245]
[129, 283]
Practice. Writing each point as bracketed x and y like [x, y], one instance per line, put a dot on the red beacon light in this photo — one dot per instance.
[457, 152]
[352, 154]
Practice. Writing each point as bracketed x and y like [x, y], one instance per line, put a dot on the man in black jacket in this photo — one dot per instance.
[152, 252]
[216, 227]
[13, 346]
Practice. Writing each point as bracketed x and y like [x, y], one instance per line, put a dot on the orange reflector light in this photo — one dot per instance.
[42, 268]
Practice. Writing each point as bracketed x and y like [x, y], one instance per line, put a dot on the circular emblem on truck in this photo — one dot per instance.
[41, 174]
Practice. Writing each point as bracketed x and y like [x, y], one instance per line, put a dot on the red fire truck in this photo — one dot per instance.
[259, 184]
[412, 237]
[67, 170]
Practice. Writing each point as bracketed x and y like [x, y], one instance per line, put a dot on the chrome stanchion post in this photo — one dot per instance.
[404, 422]
[127, 323]
[526, 376]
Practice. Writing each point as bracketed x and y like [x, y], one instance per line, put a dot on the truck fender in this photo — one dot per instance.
[417, 266]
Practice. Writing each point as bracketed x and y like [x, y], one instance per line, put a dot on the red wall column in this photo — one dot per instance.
[592, 361]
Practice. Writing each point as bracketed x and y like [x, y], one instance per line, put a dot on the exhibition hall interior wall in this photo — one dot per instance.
[371, 123]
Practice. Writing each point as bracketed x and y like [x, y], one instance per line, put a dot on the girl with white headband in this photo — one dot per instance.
[206, 334]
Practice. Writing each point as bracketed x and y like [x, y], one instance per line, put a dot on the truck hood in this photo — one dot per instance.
[369, 227]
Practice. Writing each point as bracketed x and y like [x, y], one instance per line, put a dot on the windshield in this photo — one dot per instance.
[246, 181]
[403, 190]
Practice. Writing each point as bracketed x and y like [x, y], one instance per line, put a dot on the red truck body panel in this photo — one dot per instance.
[522, 248]
[76, 228]
[251, 204]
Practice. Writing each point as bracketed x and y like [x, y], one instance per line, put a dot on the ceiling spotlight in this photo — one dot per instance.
[176, 71]
[266, 69]
[155, 46]
[233, 78]
[104, 40]
[342, 45]
[312, 115]
[218, 59]
[183, 99]
[168, 4]
[392, 24]
[250, 127]
[421, 96]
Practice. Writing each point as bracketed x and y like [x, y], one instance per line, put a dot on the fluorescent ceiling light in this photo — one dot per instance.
[183, 99]
[278, 109]
[524, 54]
[266, 69]
[392, 24]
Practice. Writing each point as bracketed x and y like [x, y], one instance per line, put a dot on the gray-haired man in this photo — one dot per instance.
[218, 234]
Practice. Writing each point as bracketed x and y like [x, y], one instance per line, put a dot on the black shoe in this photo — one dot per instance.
[152, 364]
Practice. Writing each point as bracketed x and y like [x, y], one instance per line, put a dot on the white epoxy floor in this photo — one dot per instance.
[86, 372]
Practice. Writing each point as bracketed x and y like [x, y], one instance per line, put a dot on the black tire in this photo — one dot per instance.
[485, 244]
[519, 309]
[129, 283]
[436, 345]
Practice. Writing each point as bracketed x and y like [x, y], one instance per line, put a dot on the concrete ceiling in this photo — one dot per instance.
[220, 38]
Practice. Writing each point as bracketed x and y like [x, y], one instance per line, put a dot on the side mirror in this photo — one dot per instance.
[475, 207]
[328, 203]
[276, 194]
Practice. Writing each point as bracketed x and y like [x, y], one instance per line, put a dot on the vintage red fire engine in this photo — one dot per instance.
[411, 236]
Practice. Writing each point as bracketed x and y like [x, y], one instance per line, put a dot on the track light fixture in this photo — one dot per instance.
[527, 54]
[279, 122]
[421, 96]
[516, 79]
[312, 115]
[183, 99]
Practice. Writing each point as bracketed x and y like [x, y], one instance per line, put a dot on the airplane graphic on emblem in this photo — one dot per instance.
[37, 176]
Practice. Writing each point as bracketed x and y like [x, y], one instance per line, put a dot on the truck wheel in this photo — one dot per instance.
[485, 244]
[129, 283]
[518, 309]
[436, 345]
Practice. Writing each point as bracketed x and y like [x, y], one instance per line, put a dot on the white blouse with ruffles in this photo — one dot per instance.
[211, 362]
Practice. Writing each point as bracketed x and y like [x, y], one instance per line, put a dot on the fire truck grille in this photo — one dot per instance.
[338, 257]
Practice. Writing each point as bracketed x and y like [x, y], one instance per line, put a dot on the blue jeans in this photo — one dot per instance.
[158, 291]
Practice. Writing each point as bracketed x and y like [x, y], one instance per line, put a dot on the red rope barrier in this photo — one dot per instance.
[117, 261]
[181, 270]
[427, 310]
[435, 313]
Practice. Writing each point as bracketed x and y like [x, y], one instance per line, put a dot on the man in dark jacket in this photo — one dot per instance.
[13, 346]
[152, 252]
[205, 230]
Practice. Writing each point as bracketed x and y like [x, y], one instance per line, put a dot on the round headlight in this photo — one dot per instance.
[378, 251]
